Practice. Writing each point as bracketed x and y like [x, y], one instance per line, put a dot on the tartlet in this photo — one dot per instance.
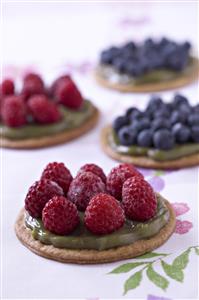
[41, 116]
[147, 67]
[164, 136]
[69, 229]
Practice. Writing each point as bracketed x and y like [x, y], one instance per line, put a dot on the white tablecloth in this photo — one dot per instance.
[55, 38]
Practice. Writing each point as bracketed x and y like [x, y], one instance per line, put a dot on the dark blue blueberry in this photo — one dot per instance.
[119, 64]
[186, 109]
[145, 138]
[162, 113]
[195, 133]
[179, 100]
[139, 125]
[181, 133]
[196, 109]
[127, 136]
[120, 122]
[136, 114]
[178, 117]
[154, 103]
[106, 57]
[193, 119]
[163, 139]
[186, 46]
[134, 69]
[131, 46]
[160, 123]
[131, 111]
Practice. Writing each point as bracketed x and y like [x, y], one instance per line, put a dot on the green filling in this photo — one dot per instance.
[81, 238]
[111, 74]
[70, 119]
[160, 155]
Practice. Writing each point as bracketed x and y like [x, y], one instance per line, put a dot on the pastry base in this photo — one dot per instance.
[151, 87]
[53, 139]
[144, 161]
[94, 256]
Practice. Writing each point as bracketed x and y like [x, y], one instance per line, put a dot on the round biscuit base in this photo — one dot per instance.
[150, 87]
[94, 256]
[144, 161]
[55, 139]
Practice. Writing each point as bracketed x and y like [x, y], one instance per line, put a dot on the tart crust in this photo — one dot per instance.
[54, 139]
[151, 87]
[144, 161]
[94, 256]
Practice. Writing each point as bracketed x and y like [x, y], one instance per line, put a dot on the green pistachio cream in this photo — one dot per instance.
[81, 238]
[70, 119]
[110, 74]
[159, 155]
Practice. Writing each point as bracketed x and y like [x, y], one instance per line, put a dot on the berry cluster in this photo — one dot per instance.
[161, 125]
[37, 103]
[57, 198]
[138, 59]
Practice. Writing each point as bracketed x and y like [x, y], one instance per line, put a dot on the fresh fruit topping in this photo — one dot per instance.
[58, 173]
[195, 133]
[85, 186]
[138, 59]
[43, 110]
[163, 139]
[138, 199]
[56, 83]
[32, 85]
[68, 94]
[93, 169]
[104, 214]
[161, 125]
[60, 216]
[7, 87]
[14, 111]
[118, 176]
[39, 194]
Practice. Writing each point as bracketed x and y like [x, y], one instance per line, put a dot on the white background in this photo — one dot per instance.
[48, 37]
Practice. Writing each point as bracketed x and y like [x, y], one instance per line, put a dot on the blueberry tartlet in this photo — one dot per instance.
[41, 116]
[93, 218]
[147, 67]
[164, 136]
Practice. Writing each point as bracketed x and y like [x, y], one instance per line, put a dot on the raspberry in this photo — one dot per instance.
[39, 194]
[60, 216]
[118, 176]
[83, 188]
[14, 111]
[58, 173]
[57, 82]
[43, 110]
[32, 85]
[138, 199]
[104, 214]
[7, 87]
[68, 94]
[93, 169]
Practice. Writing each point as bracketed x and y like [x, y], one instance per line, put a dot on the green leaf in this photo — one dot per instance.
[172, 271]
[156, 278]
[150, 255]
[126, 267]
[197, 250]
[182, 260]
[133, 282]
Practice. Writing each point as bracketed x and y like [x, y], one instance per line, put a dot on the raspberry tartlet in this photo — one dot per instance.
[40, 116]
[92, 218]
[150, 66]
[163, 136]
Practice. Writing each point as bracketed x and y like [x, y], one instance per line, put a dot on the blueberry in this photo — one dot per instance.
[154, 103]
[160, 123]
[145, 138]
[187, 46]
[136, 114]
[178, 117]
[193, 119]
[134, 69]
[119, 64]
[139, 125]
[120, 122]
[181, 133]
[127, 136]
[196, 109]
[130, 46]
[163, 139]
[195, 133]
[162, 113]
[131, 111]
[179, 100]
[106, 57]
